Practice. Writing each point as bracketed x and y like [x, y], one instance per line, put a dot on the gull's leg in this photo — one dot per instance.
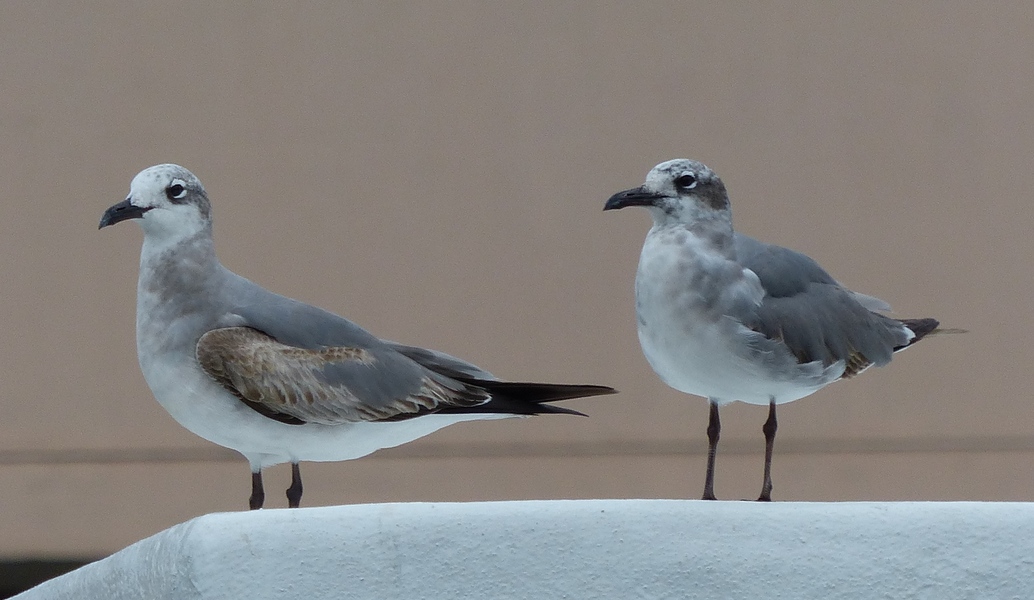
[294, 493]
[714, 427]
[769, 429]
[258, 495]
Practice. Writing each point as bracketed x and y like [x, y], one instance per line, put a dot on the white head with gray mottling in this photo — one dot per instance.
[679, 191]
[167, 201]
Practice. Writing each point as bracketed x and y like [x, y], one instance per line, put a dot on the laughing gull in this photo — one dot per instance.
[727, 317]
[273, 378]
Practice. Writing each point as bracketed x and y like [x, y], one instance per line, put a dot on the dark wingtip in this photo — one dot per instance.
[924, 327]
[542, 392]
[572, 392]
[525, 398]
[549, 409]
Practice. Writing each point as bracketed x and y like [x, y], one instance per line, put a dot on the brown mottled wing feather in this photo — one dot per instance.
[302, 385]
[855, 364]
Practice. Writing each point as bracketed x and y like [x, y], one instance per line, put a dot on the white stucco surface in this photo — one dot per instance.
[578, 549]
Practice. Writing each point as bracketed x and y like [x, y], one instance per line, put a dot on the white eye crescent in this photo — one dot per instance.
[177, 190]
[685, 182]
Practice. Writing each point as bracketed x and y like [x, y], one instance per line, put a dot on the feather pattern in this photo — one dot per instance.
[305, 384]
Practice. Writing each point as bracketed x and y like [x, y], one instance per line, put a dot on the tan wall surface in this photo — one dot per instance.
[436, 172]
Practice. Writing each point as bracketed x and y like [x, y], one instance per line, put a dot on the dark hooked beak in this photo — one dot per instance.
[634, 197]
[122, 211]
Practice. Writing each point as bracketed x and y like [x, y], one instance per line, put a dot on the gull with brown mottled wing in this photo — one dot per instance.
[276, 379]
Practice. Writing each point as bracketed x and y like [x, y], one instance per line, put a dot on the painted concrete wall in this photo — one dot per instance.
[578, 549]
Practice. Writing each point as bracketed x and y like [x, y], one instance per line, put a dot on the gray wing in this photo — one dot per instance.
[785, 272]
[813, 315]
[301, 364]
[440, 362]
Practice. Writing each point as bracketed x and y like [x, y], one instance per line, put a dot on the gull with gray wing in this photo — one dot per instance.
[727, 317]
[278, 380]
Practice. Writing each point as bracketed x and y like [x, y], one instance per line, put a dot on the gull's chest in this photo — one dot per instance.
[681, 276]
[166, 327]
[690, 300]
[177, 301]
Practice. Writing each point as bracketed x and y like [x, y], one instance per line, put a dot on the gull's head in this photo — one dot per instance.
[167, 200]
[678, 191]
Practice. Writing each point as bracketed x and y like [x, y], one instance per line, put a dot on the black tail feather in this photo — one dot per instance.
[522, 398]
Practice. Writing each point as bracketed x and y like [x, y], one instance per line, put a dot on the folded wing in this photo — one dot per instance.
[816, 318]
[329, 385]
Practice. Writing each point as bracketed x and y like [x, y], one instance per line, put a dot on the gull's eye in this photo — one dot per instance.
[685, 182]
[176, 191]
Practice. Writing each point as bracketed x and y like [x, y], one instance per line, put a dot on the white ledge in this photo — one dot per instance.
[578, 549]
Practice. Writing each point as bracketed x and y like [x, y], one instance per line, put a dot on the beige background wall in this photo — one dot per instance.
[436, 172]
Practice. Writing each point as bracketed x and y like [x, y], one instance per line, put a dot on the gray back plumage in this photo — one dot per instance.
[783, 272]
[816, 317]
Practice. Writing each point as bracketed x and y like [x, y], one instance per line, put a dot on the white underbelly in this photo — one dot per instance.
[704, 363]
